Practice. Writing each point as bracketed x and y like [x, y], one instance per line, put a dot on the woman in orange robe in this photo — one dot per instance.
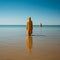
[29, 26]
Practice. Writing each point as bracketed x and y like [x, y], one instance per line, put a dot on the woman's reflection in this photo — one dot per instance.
[29, 43]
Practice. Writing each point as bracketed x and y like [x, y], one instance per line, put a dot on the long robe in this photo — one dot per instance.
[29, 27]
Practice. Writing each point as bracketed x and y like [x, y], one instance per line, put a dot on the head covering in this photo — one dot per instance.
[29, 18]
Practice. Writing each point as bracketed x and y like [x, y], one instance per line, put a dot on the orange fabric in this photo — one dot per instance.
[29, 27]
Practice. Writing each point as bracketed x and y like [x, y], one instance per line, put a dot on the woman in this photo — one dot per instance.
[29, 26]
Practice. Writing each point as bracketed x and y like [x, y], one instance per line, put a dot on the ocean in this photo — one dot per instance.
[43, 44]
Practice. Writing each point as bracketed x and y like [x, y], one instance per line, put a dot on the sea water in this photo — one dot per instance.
[43, 44]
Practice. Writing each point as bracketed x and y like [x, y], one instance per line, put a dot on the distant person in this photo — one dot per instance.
[29, 27]
[40, 24]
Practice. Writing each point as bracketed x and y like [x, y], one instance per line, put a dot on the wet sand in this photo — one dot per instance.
[44, 44]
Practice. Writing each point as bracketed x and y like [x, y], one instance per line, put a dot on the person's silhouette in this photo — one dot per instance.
[29, 26]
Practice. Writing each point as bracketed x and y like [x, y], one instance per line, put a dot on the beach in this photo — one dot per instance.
[43, 44]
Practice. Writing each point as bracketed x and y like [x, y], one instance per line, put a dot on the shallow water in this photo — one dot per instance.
[44, 44]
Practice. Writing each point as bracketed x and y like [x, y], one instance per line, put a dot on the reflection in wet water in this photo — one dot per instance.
[29, 43]
[43, 45]
[41, 29]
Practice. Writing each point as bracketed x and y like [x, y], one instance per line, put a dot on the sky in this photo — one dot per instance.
[16, 12]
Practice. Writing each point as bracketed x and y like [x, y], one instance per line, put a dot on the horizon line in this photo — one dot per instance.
[17, 25]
